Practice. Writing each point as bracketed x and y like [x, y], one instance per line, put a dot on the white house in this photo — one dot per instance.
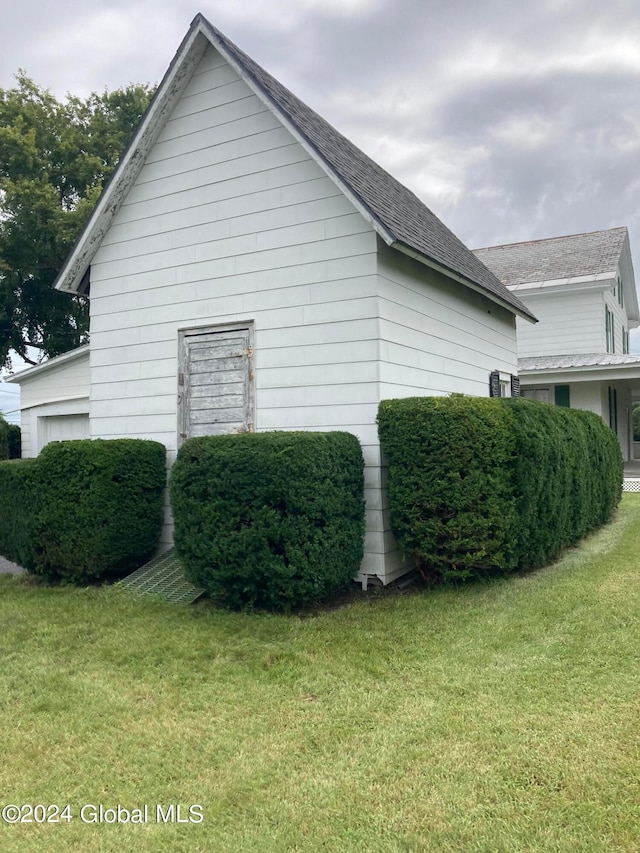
[582, 290]
[249, 268]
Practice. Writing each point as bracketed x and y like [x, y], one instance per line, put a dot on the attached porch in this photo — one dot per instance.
[631, 481]
[606, 384]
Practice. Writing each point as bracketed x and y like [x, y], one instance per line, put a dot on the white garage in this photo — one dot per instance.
[54, 400]
[63, 427]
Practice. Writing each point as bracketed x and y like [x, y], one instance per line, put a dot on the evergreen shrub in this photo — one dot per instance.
[4, 439]
[100, 507]
[19, 506]
[272, 520]
[480, 486]
[568, 477]
[450, 482]
[15, 441]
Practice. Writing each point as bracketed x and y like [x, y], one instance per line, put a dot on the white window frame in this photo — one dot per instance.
[609, 330]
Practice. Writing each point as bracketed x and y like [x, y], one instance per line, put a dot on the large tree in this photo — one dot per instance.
[54, 160]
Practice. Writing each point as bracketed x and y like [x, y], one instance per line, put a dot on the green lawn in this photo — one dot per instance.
[498, 717]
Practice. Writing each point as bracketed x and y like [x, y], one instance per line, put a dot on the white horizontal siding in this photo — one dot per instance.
[154, 202]
[346, 392]
[180, 229]
[438, 336]
[236, 256]
[620, 318]
[287, 164]
[230, 220]
[281, 315]
[568, 324]
[25, 436]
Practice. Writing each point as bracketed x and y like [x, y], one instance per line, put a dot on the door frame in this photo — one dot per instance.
[183, 359]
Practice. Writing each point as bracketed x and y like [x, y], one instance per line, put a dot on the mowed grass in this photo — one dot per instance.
[496, 717]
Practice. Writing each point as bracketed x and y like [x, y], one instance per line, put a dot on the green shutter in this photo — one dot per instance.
[613, 409]
[563, 396]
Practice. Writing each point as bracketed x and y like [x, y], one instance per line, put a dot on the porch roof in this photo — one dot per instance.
[580, 360]
[586, 367]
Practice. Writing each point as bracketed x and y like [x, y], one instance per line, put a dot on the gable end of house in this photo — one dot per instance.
[398, 216]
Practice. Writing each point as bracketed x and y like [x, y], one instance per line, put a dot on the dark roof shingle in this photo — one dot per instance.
[595, 253]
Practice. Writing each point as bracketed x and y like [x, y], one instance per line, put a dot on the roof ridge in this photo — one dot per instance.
[550, 239]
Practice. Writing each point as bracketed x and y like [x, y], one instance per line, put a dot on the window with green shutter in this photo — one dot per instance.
[613, 409]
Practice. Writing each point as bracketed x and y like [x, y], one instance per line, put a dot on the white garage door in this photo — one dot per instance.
[64, 428]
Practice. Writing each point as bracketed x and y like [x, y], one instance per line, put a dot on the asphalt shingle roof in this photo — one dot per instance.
[595, 253]
[399, 211]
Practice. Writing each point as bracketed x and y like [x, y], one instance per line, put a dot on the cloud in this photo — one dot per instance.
[288, 15]
[511, 121]
[121, 45]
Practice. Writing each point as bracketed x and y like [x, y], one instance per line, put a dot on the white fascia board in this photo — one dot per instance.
[38, 369]
[169, 91]
[428, 262]
[565, 285]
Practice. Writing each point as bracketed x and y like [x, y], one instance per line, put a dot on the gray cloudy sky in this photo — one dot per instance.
[512, 121]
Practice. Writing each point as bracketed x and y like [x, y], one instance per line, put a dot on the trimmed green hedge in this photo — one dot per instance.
[19, 507]
[15, 441]
[272, 520]
[482, 486]
[84, 510]
[4, 439]
[450, 483]
[567, 477]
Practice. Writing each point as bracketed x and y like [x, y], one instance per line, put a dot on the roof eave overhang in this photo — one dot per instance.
[58, 361]
[429, 262]
[601, 281]
[590, 373]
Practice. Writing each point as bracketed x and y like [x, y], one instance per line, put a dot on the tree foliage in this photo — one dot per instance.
[636, 422]
[54, 160]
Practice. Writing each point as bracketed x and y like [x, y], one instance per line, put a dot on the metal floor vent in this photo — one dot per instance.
[163, 577]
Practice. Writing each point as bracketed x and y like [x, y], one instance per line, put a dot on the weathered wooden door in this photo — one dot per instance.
[215, 381]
